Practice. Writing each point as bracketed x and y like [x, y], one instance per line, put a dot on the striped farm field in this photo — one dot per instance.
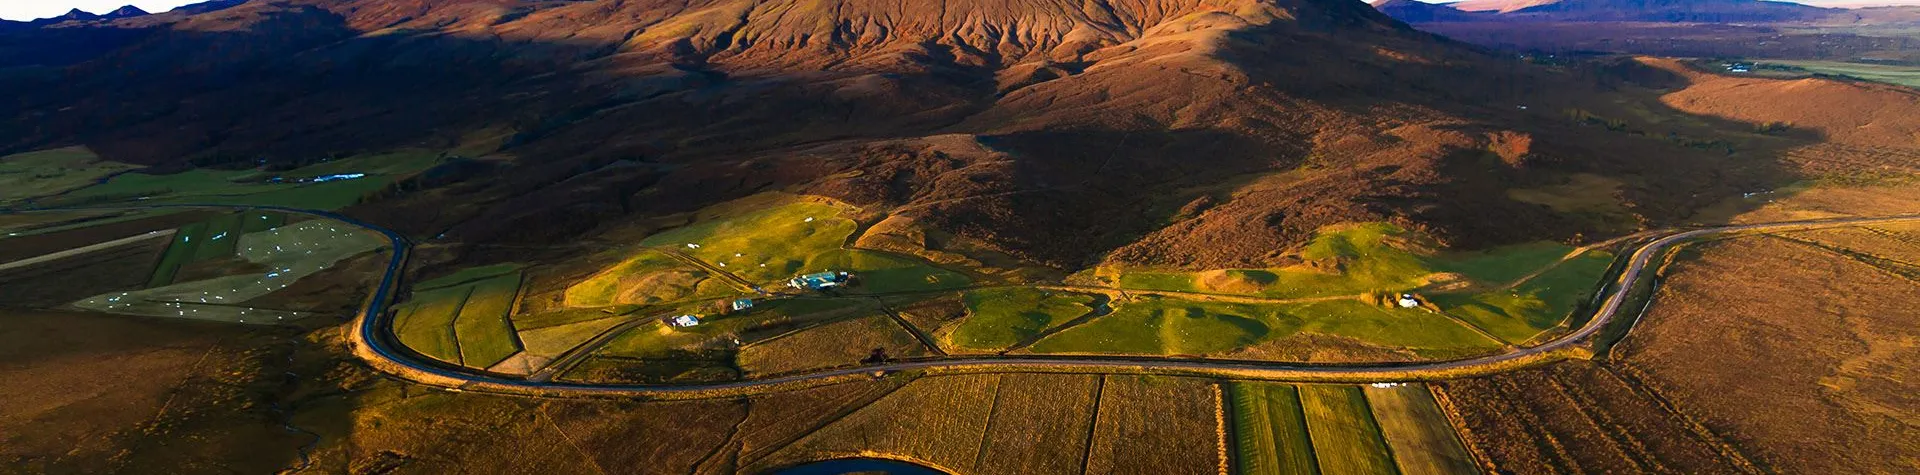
[1346, 439]
[1271, 430]
[485, 333]
[1422, 438]
[179, 253]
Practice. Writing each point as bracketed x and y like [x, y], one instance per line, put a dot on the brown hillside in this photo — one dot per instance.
[1845, 112]
[1221, 131]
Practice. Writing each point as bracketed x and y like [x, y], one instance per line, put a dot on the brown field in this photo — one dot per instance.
[111, 394]
[67, 280]
[1011, 423]
[16, 248]
[1796, 354]
[1577, 418]
[1154, 425]
[775, 420]
[839, 344]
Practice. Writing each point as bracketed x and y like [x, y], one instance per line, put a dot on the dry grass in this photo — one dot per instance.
[1422, 439]
[1150, 425]
[838, 344]
[1010, 423]
[1798, 353]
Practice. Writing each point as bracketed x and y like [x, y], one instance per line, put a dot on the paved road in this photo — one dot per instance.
[373, 341]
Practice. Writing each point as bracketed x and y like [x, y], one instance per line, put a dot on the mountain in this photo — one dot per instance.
[1672, 11]
[1168, 132]
[72, 15]
[128, 11]
[1415, 11]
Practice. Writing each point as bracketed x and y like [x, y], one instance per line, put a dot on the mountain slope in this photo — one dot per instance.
[1701, 11]
[1064, 132]
[1416, 11]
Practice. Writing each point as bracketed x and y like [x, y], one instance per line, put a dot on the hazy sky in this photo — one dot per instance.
[32, 9]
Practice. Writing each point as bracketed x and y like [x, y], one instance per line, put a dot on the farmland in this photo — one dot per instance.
[255, 265]
[464, 317]
[1346, 437]
[843, 343]
[1422, 438]
[1184, 327]
[296, 188]
[1886, 73]
[1352, 260]
[1522, 312]
[52, 172]
[765, 240]
[998, 319]
[1270, 429]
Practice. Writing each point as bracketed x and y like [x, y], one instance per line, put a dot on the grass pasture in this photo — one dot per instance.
[838, 344]
[51, 172]
[1521, 313]
[1346, 439]
[425, 323]
[1358, 259]
[486, 333]
[1166, 326]
[463, 318]
[255, 187]
[1908, 76]
[285, 255]
[1422, 438]
[1270, 431]
[764, 239]
[1003, 317]
[646, 277]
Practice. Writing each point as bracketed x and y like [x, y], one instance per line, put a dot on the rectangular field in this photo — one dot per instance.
[1422, 438]
[1270, 431]
[222, 233]
[1152, 425]
[1346, 440]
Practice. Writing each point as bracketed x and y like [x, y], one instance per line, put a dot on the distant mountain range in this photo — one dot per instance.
[1664, 11]
[129, 11]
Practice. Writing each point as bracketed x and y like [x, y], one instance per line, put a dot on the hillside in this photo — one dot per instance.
[1416, 11]
[1061, 132]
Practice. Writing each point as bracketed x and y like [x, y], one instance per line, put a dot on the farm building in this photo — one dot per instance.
[1408, 301]
[683, 321]
[822, 281]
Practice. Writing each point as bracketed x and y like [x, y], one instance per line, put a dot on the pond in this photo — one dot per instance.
[860, 466]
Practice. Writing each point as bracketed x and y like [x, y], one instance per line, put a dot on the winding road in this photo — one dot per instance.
[373, 341]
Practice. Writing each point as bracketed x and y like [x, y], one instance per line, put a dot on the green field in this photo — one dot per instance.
[1270, 431]
[1002, 317]
[52, 172]
[425, 323]
[714, 337]
[1168, 326]
[185, 245]
[464, 317]
[287, 254]
[1353, 260]
[647, 277]
[765, 240]
[1346, 440]
[485, 332]
[253, 187]
[1901, 75]
[1422, 438]
[1523, 312]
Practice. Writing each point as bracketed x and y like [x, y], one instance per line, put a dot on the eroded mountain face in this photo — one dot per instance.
[1182, 132]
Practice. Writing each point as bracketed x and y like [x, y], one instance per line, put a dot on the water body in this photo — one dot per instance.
[859, 465]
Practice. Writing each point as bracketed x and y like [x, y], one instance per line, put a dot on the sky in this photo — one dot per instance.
[22, 10]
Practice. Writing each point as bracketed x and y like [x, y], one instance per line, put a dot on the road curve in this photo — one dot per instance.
[373, 341]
